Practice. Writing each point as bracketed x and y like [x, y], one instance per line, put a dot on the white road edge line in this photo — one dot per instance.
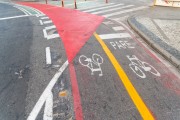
[35, 10]
[6, 18]
[24, 10]
[47, 92]
[21, 10]
[115, 35]
[48, 56]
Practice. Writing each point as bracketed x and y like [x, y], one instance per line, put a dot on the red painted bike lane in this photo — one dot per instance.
[74, 28]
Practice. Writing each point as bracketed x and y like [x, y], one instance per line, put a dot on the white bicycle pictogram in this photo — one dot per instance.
[94, 63]
[137, 66]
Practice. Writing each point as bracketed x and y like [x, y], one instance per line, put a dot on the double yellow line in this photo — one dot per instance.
[142, 108]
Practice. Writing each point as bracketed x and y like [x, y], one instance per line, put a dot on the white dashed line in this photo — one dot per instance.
[47, 22]
[51, 36]
[48, 56]
[41, 22]
[44, 18]
[118, 28]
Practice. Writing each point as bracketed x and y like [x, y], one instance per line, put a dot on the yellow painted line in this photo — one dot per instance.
[142, 108]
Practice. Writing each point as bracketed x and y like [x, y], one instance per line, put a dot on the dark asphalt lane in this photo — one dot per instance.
[15, 41]
[105, 97]
[24, 73]
[9, 11]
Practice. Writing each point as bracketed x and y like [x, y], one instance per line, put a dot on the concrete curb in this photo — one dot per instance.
[156, 47]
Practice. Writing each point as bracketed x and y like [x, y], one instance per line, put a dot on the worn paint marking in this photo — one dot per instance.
[47, 95]
[142, 108]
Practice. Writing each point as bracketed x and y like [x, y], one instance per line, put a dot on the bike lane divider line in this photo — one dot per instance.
[76, 95]
[134, 95]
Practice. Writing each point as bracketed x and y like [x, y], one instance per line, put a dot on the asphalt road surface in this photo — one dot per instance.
[64, 64]
[16, 39]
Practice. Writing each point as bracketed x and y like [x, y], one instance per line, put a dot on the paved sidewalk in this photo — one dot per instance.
[163, 34]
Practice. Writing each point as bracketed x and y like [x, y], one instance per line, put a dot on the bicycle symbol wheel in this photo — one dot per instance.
[97, 58]
[151, 69]
[137, 70]
[83, 60]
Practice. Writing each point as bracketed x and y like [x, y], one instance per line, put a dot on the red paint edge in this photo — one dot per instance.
[76, 95]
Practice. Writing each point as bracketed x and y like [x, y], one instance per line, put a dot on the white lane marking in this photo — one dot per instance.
[125, 11]
[118, 28]
[113, 9]
[6, 18]
[108, 23]
[21, 10]
[121, 18]
[44, 18]
[27, 7]
[103, 8]
[35, 111]
[126, 27]
[96, 6]
[47, 22]
[48, 56]
[48, 110]
[52, 35]
[39, 15]
[41, 22]
[116, 35]
[35, 10]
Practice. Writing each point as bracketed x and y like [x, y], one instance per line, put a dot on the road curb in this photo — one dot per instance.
[156, 47]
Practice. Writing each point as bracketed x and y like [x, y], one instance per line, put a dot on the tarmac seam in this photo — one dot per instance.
[156, 47]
